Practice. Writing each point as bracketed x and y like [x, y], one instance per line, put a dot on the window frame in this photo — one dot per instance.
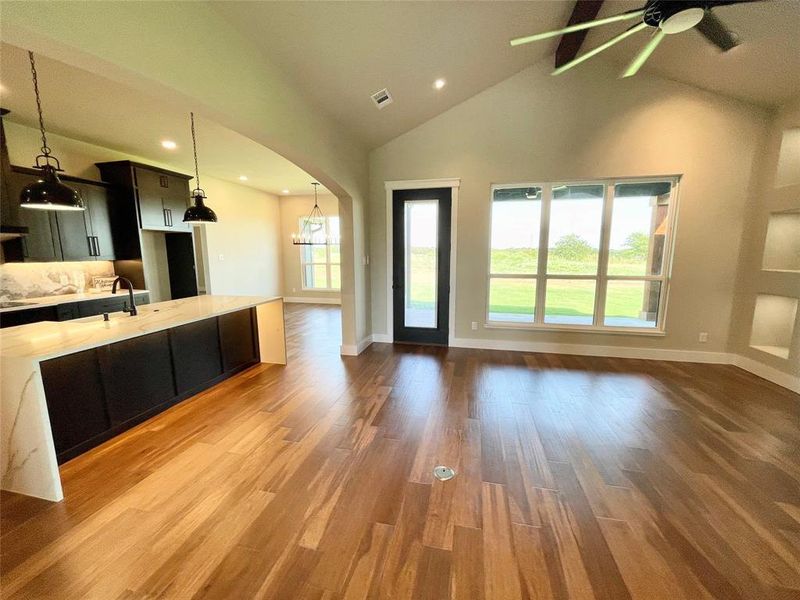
[601, 276]
[328, 264]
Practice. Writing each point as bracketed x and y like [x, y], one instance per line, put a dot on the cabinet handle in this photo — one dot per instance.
[96, 246]
[166, 219]
[90, 241]
[169, 210]
[25, 248]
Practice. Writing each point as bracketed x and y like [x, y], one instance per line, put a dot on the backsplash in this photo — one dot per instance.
[32, 280]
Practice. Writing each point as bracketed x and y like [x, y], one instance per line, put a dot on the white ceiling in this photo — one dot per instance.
[84, 106]
[764, 69]
[339, 53]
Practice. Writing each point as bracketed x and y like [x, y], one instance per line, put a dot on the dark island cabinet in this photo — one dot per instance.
[96, 394]
[237, 338]
[196, 354]
[75, 399]
[138, 375]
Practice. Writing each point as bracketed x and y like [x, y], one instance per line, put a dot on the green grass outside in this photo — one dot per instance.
[516, 296]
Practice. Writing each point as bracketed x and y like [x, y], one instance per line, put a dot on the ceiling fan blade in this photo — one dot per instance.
[716, 33]
[644, 54]
[577, 27]
[600, 48]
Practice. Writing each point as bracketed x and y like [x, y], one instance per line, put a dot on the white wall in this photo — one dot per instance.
[586, 124]
[243, 248]
[247, 233]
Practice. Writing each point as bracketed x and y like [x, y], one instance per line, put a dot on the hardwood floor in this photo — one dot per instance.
[576, 478]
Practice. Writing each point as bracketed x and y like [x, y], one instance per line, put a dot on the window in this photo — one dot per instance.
[321, 265]
[589, 256]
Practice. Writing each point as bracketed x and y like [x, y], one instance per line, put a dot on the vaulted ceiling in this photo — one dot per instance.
[339, 53]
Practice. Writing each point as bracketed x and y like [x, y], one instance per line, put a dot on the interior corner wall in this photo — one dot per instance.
[294, 208]
[768, 195]
[586, 124]
[247, 234]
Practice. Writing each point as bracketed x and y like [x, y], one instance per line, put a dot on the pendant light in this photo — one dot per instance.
[47, 192]
[312, 225]
[198, 213]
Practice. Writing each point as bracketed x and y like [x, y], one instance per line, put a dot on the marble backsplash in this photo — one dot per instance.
[33, 280]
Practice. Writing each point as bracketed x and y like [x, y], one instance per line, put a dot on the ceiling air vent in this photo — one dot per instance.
[382, 98]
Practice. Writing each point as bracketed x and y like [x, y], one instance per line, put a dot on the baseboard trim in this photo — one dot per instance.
[355, 349]
[307, 300]
[587, 350]
[790, 382]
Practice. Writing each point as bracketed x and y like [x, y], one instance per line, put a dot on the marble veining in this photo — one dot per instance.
[19, 281]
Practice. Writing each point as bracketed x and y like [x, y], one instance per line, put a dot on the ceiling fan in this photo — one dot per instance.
[665, 17]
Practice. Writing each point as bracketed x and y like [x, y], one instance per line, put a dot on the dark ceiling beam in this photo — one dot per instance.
[570, 44]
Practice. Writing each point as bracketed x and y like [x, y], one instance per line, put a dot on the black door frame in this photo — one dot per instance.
[421, 335]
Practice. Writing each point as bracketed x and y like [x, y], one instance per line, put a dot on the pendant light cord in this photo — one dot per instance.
[194, 148]
[45, 147]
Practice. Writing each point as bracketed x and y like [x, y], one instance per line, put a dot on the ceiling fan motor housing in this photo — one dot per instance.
[673, 16]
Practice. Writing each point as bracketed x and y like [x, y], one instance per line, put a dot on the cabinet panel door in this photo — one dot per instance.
[73, 235]
[12, 318]
[41, 243]
[237, 339]
[176, 199]
[138, 375]
[150, 191]
[75, 399]
[97, 206]
[196, 354]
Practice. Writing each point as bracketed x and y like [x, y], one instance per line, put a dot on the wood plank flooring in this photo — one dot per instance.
[576, 478]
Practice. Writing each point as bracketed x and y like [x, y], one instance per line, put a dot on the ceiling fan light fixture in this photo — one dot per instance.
[682, 21]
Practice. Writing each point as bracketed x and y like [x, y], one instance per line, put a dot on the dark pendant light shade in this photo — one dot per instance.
[198, 213]
[47, 192]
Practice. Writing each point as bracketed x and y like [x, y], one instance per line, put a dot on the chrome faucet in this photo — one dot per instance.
[132, 311]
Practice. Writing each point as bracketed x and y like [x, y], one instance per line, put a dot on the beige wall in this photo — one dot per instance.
[587, 124]
[774, 189]
[247, 234]
[210, 67]
[293, 208]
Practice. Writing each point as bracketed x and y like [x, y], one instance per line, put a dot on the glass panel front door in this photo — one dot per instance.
[421, 250]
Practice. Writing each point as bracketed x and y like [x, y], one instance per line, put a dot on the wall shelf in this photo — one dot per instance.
[782, 244]
[773, 324]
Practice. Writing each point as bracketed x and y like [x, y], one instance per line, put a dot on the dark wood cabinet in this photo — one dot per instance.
[195, 354]
[13, 318]
[110, 304]
[41, 242]
[161, 196]
[137, 375]
[74, 238]
[75, 400]
[98, 221]
[96, 394]
[70, 310]
[237, 339]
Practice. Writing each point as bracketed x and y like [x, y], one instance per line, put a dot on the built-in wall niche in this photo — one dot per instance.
[789, 158]
[782, 246]
[773, 324]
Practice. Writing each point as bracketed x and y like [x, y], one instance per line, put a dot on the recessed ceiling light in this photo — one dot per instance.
[439, 84]
[242, 177]
[169, 144]
[285, 192]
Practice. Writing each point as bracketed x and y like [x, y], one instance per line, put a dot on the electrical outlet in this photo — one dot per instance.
[474, 326]
[222, 257]
[703, 337]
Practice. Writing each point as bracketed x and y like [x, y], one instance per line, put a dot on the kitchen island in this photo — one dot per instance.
[68, 386]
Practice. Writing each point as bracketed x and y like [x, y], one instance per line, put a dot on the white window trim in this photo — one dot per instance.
[312, 264]
[601, 277]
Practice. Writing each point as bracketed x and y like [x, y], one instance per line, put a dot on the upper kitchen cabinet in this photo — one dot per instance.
[87, 235]
[160, 195]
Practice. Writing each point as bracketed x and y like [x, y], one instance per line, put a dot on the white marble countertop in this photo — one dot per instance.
[65, 298]
[50, 339]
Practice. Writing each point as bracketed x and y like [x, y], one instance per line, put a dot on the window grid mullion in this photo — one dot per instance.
[541, 266]
[602, 259]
